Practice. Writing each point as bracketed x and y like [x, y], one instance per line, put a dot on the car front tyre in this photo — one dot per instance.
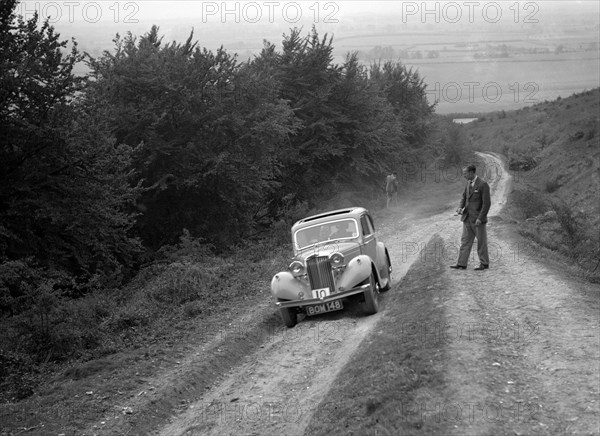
[289, 316]
[388, 270]
[372, 296]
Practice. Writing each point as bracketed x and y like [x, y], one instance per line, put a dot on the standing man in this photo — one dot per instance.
[391, 188]
[473, 208]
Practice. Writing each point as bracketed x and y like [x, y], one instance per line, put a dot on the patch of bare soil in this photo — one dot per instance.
[522, 347]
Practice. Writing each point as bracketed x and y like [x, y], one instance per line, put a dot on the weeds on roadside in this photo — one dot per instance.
[184, 282]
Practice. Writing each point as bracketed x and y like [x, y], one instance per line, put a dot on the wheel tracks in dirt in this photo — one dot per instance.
[523, 350]
[191, 368]
[276, 391]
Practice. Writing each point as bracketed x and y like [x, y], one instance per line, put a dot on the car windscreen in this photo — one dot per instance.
[329, 231]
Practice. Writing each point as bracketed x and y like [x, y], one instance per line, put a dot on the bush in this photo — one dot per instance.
[193, 308]
[591, 134]
[17, 376]
[55, 328]
[568, 223]
[576, 136]
[552, 186]
[530, 204]
[454, 144]
[183, 282]
[129, 316]
[523, 162]
[189, 249]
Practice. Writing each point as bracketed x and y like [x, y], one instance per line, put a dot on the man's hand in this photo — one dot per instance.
[477, 222]
[459, 211]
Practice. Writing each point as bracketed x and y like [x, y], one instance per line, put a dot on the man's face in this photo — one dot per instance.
[469, 175]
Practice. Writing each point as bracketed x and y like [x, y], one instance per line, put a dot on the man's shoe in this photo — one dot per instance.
[458, 267]
[481, 267]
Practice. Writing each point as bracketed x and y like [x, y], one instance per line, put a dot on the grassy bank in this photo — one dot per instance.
[395, 366]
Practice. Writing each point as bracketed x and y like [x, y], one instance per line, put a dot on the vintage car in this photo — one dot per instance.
[337, 257]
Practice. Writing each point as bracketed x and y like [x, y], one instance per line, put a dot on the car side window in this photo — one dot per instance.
[371, 224]
[367, 227]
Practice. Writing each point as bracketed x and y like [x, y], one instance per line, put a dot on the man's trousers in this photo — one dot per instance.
[470, 232]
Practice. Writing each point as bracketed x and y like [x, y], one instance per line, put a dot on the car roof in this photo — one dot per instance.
[351, 212]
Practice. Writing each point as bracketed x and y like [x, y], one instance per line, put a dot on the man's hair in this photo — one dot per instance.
[470, 168]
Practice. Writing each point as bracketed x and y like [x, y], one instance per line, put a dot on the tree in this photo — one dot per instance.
[368, 126]
[208, 134]
[405, 90]
[64, 186]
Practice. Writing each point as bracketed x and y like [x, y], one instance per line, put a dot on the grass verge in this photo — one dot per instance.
[395, 365]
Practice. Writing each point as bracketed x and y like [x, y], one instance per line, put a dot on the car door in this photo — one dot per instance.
[369, 246]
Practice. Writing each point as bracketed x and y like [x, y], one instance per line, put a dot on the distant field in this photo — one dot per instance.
[464, 76]
[508, 83]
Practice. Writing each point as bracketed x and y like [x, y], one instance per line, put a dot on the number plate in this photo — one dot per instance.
[320, 293]
[325, 307]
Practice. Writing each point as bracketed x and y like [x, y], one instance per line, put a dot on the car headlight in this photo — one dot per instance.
[337, 260]
[297, 268]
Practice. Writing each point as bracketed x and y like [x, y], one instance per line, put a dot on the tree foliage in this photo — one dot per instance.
[209, 132]
[64, 182]
[222, 145]
[405, 91]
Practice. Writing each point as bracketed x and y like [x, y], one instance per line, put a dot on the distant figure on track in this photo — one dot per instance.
[473, 209]
[391, 188]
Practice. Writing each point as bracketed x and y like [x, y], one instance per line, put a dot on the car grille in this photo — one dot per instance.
[319, 273]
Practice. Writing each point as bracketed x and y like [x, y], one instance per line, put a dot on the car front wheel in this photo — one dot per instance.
[372, 296]
[289, 316]
[388, 270]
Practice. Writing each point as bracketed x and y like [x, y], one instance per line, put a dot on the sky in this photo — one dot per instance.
[243, 16]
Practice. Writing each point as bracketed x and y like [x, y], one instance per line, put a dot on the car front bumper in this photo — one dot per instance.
[337, 296]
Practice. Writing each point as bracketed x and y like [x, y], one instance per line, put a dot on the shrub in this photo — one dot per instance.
[183, 282]
[568, 223]
[129, 316]
[55, 328]
[189, 248]
[542, 140]
[17, 376]
[522, 162]
[530, 204]
[576, 136]
[552, 186]
[192, 309]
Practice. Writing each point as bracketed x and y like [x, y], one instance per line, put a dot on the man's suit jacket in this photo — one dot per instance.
[476, 204]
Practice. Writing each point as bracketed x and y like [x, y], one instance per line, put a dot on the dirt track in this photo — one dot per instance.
[522, 346]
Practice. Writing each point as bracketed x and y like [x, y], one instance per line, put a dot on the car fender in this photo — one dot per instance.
[381, 260]
[286, 287]
[357, 271]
